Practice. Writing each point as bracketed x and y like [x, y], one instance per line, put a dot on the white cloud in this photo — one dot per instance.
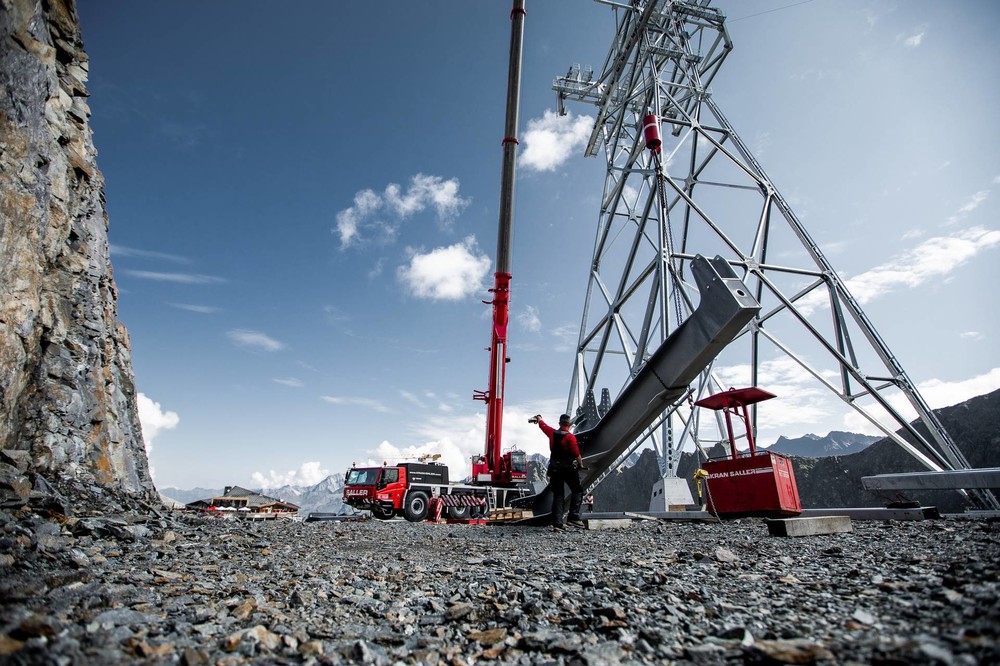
[972, 204]
[914, 39]
[200, 309]
[180, 278]
[834, 247]
[412, 398]
[377, 268]
[451, 454]
[972, 335]
[290, 381]
[426, 191]
[347, 226]
[308, 474]
[422, 193]
[815, 74]
[550, 140]
[528, 318]
[446, 273]
[934, 258]
[940, 393]
[368, 403]
[630, 195]
[458, 438]
[123, 251]
[974, 201]
[566, 337]
[255, 340]
[335, 315]
[153, 420]
[761, 143]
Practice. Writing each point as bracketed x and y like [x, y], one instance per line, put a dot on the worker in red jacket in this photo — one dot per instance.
[565, 464]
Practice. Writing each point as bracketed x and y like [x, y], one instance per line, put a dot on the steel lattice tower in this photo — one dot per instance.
[708, 195]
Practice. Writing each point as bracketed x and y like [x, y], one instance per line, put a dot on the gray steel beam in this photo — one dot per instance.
[959, 479]
[725, 308]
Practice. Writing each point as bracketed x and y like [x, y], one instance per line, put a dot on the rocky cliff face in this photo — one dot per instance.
[67, 394]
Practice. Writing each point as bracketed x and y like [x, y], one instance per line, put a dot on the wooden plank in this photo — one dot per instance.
[795, 527]
[497, 515]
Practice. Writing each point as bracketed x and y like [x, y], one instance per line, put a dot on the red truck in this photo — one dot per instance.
[406, 490]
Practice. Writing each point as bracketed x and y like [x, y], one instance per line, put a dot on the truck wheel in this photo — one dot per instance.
[415, 509]
[381, 514]
[458, 512]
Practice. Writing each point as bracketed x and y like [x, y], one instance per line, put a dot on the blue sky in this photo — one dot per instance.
[303, 209]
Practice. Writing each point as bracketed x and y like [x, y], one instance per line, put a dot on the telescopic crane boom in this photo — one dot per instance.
[493, 468]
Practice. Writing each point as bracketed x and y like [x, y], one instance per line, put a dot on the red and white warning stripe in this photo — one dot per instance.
[462, 500]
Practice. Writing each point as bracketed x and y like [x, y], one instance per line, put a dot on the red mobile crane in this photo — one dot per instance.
[510, 468]
[407, 489]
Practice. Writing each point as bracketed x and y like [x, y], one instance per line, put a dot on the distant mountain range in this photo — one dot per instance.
[828, 469]
[813, 446]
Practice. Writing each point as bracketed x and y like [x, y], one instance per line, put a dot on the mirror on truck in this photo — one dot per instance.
[388, 476]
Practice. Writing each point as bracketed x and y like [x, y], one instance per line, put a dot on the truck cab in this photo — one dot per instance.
[374, 489]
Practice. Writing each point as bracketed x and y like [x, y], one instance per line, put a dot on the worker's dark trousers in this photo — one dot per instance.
[562, 476]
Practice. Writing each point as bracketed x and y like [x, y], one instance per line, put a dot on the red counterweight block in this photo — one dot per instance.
[651, 132]
[760, 485]
[752, 483]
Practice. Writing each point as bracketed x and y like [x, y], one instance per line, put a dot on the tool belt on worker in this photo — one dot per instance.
[557, 466]
[562, 460]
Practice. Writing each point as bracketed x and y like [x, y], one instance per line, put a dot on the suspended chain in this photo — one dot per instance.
[661, 196]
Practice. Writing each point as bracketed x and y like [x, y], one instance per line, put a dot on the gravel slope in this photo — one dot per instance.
[166, 588]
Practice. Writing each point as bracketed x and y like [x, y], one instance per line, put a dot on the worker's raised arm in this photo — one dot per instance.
[545, 427]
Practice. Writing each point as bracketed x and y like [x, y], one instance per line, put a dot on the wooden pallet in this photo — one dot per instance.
[506, 515]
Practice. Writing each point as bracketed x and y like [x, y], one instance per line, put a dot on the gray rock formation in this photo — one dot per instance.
[67, 394]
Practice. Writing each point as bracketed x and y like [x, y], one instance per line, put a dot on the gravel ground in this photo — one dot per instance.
[175, 588]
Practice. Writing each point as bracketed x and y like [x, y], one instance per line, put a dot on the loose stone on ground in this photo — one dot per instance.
[162, 587]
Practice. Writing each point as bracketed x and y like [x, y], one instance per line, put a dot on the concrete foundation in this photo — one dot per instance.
[668, 492]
